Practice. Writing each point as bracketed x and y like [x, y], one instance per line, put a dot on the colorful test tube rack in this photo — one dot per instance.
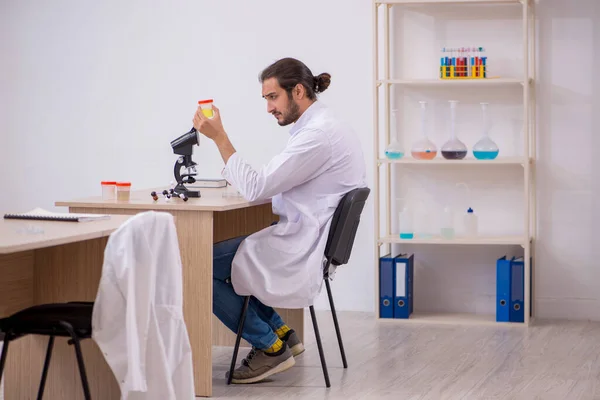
[463, 63]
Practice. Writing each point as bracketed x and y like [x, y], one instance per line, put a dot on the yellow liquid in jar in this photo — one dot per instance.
[208, 112]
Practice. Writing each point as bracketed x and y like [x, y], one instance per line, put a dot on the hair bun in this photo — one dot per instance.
[322, 82]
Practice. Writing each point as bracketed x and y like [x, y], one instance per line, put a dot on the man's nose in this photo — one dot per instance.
[270, 108]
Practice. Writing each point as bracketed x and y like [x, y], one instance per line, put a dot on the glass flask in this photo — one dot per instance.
[485, 148]
[423, 149]
[394, 150]
[405, 220]
[453, 149]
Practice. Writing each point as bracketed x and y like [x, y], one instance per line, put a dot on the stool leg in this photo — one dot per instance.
[335, 322]
[238, 338]
[76, 342]
[46, 367]
[320, 346]
[84, 380]
[4, 354]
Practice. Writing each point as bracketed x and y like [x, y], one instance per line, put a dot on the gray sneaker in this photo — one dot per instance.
[258, 365]
[293, 342]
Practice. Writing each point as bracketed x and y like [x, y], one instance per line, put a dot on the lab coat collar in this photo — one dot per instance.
[306, 116]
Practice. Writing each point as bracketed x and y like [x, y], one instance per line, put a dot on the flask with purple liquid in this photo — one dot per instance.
[453, 149]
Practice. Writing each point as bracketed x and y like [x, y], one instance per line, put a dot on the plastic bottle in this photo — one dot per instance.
[453, 149]
[471, 223]
[447, 230]
[423, 149]
[394, 150]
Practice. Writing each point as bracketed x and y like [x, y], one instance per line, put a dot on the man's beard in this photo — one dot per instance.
[291, 115]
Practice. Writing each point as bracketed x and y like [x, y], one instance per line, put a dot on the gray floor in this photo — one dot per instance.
[550, 360]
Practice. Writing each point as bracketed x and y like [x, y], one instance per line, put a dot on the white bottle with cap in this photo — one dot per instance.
[471, 223]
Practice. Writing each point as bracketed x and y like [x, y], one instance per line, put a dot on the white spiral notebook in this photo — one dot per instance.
[43, 215]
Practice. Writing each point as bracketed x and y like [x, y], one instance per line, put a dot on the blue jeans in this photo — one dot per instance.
[261, 321]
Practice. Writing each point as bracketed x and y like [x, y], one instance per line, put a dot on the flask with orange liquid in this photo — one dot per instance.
[423, 149]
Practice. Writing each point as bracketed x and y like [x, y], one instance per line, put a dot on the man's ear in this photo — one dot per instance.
[299, 91]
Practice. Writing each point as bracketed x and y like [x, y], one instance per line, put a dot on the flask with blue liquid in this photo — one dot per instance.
[394, 151]
[485, 148]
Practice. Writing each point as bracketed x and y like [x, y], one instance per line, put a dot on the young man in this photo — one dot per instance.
[282, 265]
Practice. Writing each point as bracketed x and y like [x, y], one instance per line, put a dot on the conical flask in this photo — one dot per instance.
[423, 149]
[485, 148]
[453, 149]
[394, 150]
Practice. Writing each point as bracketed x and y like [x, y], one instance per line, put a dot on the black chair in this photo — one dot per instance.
[72, 320]
[337, 252]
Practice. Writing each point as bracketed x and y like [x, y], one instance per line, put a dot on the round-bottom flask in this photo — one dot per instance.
[453, 149]
[423, 149]
[394, 151]
[485, 148]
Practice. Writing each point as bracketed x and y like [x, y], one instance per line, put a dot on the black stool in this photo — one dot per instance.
[337, 252]
[72, 320]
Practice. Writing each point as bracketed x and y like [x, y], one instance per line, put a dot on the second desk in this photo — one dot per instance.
[200, 222]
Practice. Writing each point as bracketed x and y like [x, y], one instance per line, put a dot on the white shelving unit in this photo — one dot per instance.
[383, 81]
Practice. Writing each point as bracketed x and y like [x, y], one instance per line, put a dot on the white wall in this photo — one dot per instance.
[109, 84]
[122, 79]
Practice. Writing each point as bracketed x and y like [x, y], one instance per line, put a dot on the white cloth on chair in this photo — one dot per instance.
[138, 313]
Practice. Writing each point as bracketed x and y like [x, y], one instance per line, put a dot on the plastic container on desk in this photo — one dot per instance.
[123, 191]
[109, 191]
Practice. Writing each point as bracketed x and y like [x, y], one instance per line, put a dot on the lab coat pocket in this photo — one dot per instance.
[293, 237]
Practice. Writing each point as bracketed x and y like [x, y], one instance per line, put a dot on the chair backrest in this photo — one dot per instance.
[344, 226]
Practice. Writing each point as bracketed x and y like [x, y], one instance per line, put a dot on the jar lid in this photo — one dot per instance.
[108, 183]
[205, 101]
[123, 183]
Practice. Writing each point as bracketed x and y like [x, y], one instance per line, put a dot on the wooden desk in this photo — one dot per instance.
[44, 262]
[200, 222]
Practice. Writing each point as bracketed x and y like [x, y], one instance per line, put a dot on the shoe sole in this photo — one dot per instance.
[287, 364]
[297, 349]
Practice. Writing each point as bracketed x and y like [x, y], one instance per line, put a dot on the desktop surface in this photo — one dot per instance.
[20, 235]
[212, 199]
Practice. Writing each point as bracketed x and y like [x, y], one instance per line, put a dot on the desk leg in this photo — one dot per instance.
[16, 293]
[195, 234]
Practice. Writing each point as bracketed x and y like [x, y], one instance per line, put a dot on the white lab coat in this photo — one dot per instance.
[138, 313]
[282, 265]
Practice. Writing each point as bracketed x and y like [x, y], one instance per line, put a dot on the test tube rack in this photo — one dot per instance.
[463, 63]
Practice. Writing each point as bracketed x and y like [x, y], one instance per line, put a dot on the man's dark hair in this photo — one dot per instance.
[289, 72]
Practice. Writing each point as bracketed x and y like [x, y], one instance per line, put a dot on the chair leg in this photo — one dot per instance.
[46, 367]
[79, 355]
[319, 345]
[4, 354]
[335, 322]
[238, 338]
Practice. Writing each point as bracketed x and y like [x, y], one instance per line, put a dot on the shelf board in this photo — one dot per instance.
[454, 82]
[494, 240]
[465, 161]
[447, 1]
[453, 319]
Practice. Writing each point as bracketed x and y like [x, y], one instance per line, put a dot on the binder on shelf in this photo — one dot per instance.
[503, 289]
[386, 286]
[403, 299]
[517, 301]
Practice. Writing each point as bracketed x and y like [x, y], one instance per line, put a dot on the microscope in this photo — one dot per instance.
[183, 146]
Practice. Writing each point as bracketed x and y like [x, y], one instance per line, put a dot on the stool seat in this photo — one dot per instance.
[72, 320]
[46, 319]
